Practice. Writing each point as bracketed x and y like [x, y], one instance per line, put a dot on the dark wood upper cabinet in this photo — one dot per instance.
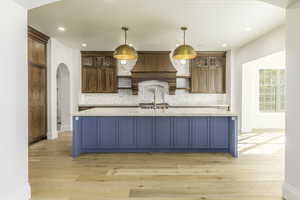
[208, 73]
[99, 72]
[37, 85]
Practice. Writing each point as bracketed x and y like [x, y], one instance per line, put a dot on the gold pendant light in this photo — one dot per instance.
[125, 52]
[184, 52]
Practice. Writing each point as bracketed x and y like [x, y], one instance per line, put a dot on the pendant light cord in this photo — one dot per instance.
[183, 29]
[125, 29]
[183, 37]
[125, 36]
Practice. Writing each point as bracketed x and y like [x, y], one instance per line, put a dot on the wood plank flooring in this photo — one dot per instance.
[256, 175]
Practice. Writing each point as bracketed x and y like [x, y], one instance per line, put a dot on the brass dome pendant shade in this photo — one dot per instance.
[125, 52]
[184, 52]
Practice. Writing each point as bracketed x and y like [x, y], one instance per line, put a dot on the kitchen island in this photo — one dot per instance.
[142, 130]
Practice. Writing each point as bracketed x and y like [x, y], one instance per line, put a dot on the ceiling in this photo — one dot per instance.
[280, 3]
[155, 24]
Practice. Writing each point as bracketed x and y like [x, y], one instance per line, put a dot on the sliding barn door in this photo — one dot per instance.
[37, 85]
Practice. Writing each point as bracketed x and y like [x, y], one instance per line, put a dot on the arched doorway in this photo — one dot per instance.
[63, 98]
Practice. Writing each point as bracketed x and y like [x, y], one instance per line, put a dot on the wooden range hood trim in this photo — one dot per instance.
[163, 70]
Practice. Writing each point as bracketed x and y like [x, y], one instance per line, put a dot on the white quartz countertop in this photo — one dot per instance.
[137, 105]
[151, 112]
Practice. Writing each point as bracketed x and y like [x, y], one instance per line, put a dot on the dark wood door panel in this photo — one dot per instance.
[37, 85]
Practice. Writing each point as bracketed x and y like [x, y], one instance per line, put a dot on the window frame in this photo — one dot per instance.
[276, 106]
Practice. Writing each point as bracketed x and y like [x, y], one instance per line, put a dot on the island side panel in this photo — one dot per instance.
[76, 139]
[233, 128]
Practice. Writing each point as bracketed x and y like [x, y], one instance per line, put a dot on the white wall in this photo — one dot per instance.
[58, 53]
[252, 118]
[14, 104]
[268, 44]
[291, 187]
[182, 97]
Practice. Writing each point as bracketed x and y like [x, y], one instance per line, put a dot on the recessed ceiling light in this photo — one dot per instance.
[61, 29]
[248, 29]
[84, 45]
[224, 45]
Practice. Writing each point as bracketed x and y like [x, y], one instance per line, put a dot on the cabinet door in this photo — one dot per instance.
[144, 127]
[90, 137]
[219, 131]
[89, 79]
[109, 80]
[109, 132]
[84, 82]
[208, 72]
[199, 73]
[181, 132]
[101, 79]
[126, 132]
[37, 103]
[99, 73]
[163, 134]
[216, 75]
[200, 138]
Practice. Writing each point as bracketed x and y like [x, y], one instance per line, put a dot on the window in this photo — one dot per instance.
[272, 90]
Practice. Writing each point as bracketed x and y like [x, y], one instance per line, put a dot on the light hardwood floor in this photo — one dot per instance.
[256, 175]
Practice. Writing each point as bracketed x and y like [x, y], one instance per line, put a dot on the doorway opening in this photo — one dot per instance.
[263, 105]
[63, 98]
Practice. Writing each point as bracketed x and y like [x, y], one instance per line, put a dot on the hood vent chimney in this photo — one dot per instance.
[154, 65]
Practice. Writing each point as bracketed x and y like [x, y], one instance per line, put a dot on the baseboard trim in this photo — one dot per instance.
[28, 191]
[52, 135]
[290, 192]
[65, 128]
[246, 130]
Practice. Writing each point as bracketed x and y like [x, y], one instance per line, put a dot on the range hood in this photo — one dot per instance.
[154, 65]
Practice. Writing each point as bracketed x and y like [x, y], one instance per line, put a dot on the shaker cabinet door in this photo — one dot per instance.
[108, 132]
[144, 131]
[126, 132]
[181, 132]
[90, 138]
[89, 79]
[163, 134]
[219, 132]
[199, 135]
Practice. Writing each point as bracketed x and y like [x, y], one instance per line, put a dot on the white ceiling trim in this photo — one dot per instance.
[29, 4]
[280, 3]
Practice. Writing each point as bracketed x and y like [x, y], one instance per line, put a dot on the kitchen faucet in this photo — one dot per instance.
[154, 99]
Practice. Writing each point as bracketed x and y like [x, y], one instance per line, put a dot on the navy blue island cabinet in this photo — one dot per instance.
[154, 134]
